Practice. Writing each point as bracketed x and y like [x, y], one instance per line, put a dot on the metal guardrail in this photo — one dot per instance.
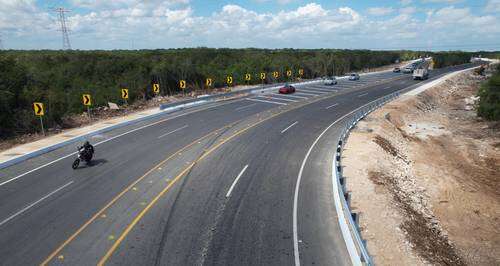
[353, 218]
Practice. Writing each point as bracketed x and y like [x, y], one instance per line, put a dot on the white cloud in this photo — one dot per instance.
[166, 24]
[442, 1]
[492, 6]
[22, 17]
[380, 11]
[98, 4]
[408, 10]
[405, 2]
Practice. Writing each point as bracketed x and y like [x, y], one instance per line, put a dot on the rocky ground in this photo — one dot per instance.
[424, 173]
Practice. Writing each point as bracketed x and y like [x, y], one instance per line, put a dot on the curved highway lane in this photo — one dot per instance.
[212, 185]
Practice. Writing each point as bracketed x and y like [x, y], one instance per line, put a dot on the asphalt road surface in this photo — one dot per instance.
[211, 185]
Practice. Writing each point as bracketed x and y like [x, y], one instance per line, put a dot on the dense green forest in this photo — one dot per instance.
[59, 78]
[489, 101]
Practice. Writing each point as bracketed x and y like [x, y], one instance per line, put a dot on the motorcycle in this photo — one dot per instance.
[83, 155]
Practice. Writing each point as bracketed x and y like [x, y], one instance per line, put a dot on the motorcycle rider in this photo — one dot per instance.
[88, 148]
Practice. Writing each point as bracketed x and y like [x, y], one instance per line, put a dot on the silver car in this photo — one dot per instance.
[354, 76]
[330, 81]
[408, 70]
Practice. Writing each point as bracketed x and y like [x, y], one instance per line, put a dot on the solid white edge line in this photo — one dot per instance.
[351, 248]
[33, 204]
[104, 141]
[284, 130]
[173, 131]
[236, 181]
[333, 105]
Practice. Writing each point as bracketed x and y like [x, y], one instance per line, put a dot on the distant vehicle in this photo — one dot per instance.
[396, 70]
[421, 73]
[287, 89]
[330, 81]
[408, 70]
[354, 76]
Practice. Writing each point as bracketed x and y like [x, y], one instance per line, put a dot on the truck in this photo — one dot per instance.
[421, 73]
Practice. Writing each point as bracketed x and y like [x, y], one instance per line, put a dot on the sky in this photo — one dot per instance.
[434, 25]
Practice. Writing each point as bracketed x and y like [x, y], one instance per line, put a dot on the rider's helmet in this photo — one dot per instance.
[87, 143]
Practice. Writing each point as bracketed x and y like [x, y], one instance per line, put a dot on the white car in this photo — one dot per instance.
[330, 81]
[408, 70]
[354, 76]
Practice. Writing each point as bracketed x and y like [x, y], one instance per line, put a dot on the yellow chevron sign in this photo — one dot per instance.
[87, 100]
[124, 93]
[289, 73]
[156, 88]
[263, 76]
[38, 108]
[276, 74]
[248, 77]
[209, 82]
[182, 84]
[229, 80]
[301, 72]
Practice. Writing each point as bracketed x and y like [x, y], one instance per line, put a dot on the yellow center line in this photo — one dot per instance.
[115, 245]
[170, 184]
[179, 176]
[117, 197]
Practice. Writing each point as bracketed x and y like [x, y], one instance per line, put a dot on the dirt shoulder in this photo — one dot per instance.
[102, 114]
[424, 173]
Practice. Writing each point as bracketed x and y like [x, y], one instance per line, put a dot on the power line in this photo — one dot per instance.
[64, 29]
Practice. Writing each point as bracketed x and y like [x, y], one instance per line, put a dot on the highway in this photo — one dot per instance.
[215, 185]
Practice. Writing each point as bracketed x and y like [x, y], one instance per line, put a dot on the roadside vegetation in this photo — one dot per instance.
[59, 78]
[489, 98]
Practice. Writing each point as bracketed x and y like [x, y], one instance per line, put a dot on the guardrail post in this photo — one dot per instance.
[342, 183]
[347, 196]
[355, 218]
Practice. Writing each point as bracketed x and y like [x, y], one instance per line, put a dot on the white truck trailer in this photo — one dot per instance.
[421, 73]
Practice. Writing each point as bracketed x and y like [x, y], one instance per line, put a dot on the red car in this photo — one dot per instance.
[287, 89]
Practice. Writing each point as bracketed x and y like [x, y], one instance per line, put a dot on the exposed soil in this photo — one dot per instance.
[424, 173]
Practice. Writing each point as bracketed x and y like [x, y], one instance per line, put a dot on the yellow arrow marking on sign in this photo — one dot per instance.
[87, 100]
[248, 77]
[38, 108]
[262, 75]
[209, 82]
[182, 84]
[125, 93]
[156, 88]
